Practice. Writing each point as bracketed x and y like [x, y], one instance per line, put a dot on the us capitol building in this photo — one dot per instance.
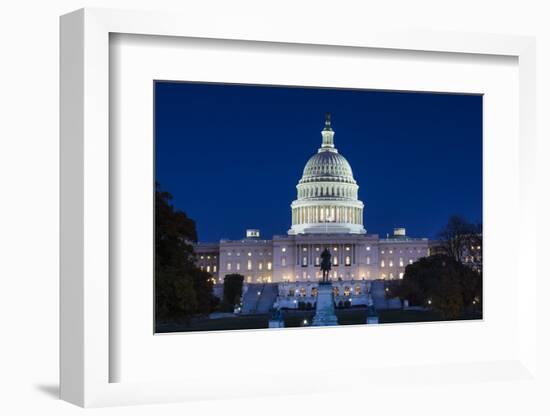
[327, 213]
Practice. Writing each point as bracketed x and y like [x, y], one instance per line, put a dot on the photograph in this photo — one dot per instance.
[296, 207]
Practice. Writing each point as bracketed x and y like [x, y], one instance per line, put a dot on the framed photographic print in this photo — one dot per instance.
[231, 155]
[271, 208]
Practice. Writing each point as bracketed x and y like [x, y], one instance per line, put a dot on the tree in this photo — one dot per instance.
[232, 289]
[460, 238]
[181, 289]
[440, 282]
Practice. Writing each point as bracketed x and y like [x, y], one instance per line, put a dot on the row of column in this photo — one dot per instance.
[311, 192]
[309, 215]
[312, 253]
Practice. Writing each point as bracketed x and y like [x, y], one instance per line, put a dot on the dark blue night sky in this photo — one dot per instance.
[231, 155]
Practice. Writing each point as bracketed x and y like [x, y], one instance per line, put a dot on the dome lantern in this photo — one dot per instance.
[327, 134]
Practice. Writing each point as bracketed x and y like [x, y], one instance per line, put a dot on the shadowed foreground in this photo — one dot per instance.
[293, 319]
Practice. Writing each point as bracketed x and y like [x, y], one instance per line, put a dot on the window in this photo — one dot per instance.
[400, 261]
[202, 268]
[347, 248]
[238, 266]
[368, 248]
[410, 261]
[382, 263]
[249, 265]
[283, 249]
[283, 261]
[391, 251]
[317, 261]
[335, 261]
[208, 269]
[357, 290]
[346, 291]
[391, 263]
[215, 268]
[304, 249]
[249, 254]
[304, 261]
[348, 261]
[202, 257]
[368, 259]
[401, 275]
[228, 267]
[302, 291]
[382, 251]
[391, 275]
[269, 265]
[249, 279]
[260, 266]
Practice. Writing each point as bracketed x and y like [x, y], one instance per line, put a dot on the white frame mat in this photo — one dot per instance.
[86, 166]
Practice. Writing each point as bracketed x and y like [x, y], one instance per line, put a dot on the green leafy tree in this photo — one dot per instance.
[440, 282]
[181, 289]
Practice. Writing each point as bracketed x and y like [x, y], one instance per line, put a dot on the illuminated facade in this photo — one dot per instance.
[327, 213]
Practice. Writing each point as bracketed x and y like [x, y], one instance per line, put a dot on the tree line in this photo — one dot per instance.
[450, 280]
[181, 288]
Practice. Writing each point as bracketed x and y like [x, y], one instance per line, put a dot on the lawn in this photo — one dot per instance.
[295, 318]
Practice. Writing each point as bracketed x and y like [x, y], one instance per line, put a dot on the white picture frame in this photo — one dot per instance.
[86, 355]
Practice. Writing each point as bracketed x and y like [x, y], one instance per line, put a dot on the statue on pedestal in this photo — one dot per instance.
[325, 314]
[325, 265]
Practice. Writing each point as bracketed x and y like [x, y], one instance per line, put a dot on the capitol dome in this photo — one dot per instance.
[327, 200]
[327, 166]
